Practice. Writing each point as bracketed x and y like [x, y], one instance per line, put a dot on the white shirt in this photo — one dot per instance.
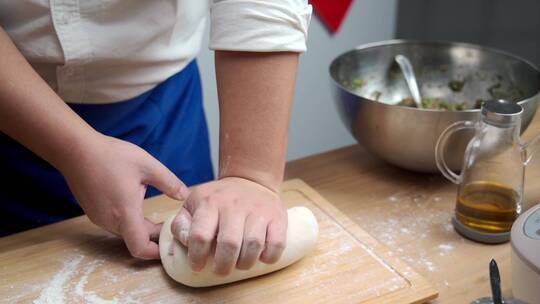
[108, 51]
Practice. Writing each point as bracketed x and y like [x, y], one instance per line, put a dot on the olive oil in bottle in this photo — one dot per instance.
[488, 207]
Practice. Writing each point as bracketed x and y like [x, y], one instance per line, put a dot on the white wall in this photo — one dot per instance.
[315, 125]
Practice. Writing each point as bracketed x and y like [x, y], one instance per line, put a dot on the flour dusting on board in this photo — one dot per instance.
[70, 284]
[90, 296]
[10, 292]
[430, 220]
[337, 249]
[54, 292]
[445, 249]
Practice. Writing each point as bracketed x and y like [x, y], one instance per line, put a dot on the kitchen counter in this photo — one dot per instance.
[410, 213]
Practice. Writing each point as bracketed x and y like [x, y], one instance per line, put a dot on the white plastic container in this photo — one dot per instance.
[525, 240]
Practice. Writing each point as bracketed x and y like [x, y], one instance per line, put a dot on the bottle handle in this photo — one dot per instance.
[441, 145]
[530, 148]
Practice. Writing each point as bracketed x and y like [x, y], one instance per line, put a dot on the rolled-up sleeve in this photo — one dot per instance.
[259, 25]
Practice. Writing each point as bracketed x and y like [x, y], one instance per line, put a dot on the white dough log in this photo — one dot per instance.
[302, 232]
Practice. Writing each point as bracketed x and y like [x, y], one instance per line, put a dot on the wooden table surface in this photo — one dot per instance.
[408, 212]
[411, 213]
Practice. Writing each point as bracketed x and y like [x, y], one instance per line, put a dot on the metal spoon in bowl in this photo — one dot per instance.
[408, 72]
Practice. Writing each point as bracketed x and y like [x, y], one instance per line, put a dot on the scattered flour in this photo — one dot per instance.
[68, 285]
[54, 291]
[90, 296]
[445, 249]
[14, 296]
[429, 264]
[405, 230]
[393, 199]
[110, 277]
[322, 268]
[413, 217]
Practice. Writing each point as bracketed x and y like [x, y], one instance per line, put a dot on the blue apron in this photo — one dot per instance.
[167, 121]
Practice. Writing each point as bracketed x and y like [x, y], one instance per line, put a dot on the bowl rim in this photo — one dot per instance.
[376, 44]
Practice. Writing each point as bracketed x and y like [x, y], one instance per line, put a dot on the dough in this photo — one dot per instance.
[302, 234]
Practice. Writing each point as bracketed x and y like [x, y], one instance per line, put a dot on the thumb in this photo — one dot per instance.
[136, 235]
[163, 179]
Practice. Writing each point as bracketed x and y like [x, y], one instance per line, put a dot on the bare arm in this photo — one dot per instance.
[106, 175]
[32, 113]
[255, 94]
[242, 210]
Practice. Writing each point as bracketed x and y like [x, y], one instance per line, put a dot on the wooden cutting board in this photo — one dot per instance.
[76, 262]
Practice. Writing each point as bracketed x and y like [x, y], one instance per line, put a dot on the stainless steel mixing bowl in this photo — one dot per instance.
[405, 136]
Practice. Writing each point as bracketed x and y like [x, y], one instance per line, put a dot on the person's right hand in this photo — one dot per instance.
[109, 180]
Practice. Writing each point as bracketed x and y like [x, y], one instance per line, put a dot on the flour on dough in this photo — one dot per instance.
[302, 232]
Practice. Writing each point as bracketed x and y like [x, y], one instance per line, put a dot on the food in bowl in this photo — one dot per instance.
[494, 91]
[406, 136]
[434, 104]
[440, 104]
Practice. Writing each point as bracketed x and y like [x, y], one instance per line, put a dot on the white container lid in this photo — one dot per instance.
[525, 238]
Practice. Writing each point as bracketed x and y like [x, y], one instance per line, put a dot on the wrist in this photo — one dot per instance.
[77, 149]
[267, 180]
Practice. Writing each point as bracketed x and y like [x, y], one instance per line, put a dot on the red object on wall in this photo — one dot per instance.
[332, 12]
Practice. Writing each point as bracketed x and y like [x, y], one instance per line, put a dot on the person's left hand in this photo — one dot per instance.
[245, 222]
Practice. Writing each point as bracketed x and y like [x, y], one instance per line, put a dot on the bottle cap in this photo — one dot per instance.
[501, 113]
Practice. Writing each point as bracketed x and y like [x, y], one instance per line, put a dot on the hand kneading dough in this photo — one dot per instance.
[302, 234]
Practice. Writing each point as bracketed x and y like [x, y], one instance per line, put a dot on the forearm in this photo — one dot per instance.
[255, 91]
[33, 114]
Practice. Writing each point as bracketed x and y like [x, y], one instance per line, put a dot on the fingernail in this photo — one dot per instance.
[195, 267]
[180, 229]
[183, 234]
[184, 227]
[221, 272]
[270, 256]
